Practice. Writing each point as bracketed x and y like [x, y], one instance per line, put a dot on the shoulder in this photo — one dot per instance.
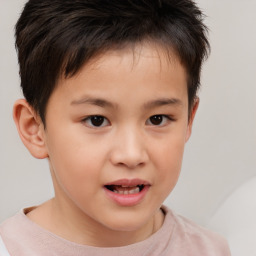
[10, 225]
[188, 234]
[13, 231]
[17, 222]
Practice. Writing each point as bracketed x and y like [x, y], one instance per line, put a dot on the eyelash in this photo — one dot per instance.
[163, 117]
[100, 118]
[103, 121]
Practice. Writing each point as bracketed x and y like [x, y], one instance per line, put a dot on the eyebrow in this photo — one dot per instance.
[148, 105]
[163, 102]
[93, 101]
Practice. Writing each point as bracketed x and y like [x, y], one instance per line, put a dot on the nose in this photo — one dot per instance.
[129, 149]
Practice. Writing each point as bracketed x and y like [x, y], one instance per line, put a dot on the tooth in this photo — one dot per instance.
[136, 190]
[128, 191]
[133, 191]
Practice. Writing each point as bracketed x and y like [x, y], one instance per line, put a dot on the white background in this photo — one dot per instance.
[221, 153]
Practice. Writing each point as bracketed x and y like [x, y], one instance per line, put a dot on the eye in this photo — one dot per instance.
[158, 120]
[96, 121]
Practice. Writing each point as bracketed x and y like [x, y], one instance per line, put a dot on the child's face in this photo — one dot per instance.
[115, 135]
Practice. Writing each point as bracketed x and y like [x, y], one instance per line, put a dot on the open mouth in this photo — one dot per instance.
[125, 190]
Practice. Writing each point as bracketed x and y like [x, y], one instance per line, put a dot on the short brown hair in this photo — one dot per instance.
[56, 37]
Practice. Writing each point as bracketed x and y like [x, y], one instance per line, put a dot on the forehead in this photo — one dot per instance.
[132, 52]
[134, 55]
[142, 68]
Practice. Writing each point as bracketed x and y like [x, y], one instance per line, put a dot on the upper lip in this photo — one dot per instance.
[128, 182]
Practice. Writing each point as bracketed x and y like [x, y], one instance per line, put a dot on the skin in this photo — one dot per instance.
[133, 86]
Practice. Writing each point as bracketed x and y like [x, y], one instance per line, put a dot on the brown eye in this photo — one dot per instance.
[156, 120]
[96, 121]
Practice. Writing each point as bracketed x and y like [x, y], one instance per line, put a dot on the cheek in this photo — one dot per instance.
[168, 158]
[74, 163]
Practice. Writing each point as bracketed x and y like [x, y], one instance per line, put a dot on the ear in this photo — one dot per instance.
[30, 128]
[191, 118]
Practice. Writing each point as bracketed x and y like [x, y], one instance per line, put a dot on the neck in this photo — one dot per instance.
[73, 225]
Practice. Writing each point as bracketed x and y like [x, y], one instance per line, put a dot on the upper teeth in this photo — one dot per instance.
[128, 192]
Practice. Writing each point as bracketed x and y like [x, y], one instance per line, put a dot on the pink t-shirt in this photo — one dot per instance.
[177, 237]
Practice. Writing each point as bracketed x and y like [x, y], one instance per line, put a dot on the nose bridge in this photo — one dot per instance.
[130, 149]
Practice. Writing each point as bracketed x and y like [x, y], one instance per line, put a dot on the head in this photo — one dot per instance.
[110, 90]
[56, 38]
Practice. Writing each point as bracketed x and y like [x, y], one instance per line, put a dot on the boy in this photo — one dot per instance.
[110, 97]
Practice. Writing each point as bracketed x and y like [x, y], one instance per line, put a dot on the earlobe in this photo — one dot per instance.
[30, 128]
[191, 118]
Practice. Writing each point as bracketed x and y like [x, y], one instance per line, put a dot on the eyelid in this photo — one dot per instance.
[87, 119]
[168, 119]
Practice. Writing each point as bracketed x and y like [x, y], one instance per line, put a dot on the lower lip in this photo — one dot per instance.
[127, 200]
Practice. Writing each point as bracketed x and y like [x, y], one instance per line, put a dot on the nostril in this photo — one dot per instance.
[129, 153]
